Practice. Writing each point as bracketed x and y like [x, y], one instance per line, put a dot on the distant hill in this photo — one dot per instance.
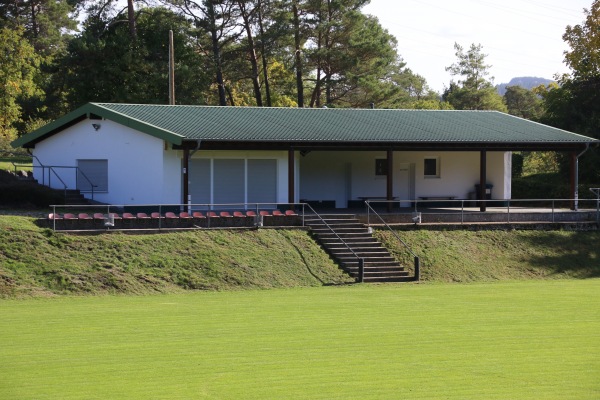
[527, 82]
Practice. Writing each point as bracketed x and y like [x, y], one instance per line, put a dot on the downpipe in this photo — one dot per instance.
[576, 194]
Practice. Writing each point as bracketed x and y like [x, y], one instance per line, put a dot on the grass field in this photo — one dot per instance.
[509, 340]
[23, 163]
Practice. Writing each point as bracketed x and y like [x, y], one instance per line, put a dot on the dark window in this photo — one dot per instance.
[431, 167]
[381, 167]
[92, 172]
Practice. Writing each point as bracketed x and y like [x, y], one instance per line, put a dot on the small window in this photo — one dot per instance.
[431, 167]
[381, 167]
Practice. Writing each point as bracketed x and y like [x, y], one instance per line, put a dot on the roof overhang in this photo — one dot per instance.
[93, 111]
[257, 128]
[380, 146]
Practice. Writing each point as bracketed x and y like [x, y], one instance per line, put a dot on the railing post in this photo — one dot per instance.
[361, 270]
[159, 217]
[508, 211]
[417, 269]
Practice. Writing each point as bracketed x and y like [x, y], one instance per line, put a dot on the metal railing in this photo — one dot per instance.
[596, 191]
[497, 211]
[416, 259]
[162, 209]
[52, 171]
[360, 260]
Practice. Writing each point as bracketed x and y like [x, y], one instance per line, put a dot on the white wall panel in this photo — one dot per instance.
[135, 160]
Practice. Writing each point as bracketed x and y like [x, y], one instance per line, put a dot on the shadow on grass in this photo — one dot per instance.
[576, 253]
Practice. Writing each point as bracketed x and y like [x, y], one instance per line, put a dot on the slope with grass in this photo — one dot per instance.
[39, 262]
[469, 256]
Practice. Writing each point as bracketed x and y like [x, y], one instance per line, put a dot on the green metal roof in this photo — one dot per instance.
[176, 124]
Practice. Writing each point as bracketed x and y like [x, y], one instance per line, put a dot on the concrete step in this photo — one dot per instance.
[345, 238]
[374, 252]
[371, 264]
[329, 227]
[369, 260]
[338, 230]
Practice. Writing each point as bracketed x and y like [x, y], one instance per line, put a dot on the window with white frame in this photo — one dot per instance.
[431, 167]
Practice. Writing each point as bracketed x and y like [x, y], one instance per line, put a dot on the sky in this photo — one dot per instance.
[520, 37]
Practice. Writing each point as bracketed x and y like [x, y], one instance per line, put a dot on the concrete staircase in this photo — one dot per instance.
[338, 233]
[74, 197]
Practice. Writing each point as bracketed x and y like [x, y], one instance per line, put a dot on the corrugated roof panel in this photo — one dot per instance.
[332, 125]
[174, 123]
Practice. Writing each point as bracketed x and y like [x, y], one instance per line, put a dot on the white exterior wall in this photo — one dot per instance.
[343, 176]
[172, 188]
[142, 171]
[135, 162]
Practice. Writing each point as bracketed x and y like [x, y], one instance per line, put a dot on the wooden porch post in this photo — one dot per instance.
[186, 179]
[291, 176]
[390, 179]
[482, 179]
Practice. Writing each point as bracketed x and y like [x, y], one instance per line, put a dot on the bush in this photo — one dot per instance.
[548, 186]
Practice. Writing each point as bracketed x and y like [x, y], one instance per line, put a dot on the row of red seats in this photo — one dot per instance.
[172, 215]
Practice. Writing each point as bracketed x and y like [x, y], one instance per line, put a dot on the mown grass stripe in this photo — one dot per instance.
[526, 340]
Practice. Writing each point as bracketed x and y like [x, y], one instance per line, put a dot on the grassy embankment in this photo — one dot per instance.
[38, 262]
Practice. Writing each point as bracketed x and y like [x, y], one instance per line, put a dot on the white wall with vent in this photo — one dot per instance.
[140, 170]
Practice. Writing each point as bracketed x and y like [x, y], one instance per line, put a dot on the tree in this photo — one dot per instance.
[584, 40]
[475, 91]
[574, 105]
[523, 103]
[104, 64]
[18, 66]
[216, 18]
[46, 24]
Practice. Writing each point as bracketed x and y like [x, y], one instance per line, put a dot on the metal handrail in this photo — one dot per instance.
[596, 191]
[78, 171]
[361, 261]
[416, 259]
[463, 207]
[52, 168]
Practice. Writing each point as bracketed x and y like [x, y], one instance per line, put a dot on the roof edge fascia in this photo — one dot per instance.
[136, 124]
[86, 111]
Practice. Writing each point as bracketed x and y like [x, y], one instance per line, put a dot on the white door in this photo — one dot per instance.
[404, 183]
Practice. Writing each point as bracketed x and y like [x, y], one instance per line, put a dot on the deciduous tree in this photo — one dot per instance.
[18, 66]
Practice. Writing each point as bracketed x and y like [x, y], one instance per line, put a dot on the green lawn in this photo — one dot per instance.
[510, 340]
[23, 163]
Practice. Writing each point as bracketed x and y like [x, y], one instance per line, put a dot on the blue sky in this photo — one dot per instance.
[520, 37]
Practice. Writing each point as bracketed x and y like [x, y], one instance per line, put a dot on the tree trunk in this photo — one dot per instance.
[251, 54]
[131, 19]
[264, 56]
[298, 54]
[216, 53]
[315, 100]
